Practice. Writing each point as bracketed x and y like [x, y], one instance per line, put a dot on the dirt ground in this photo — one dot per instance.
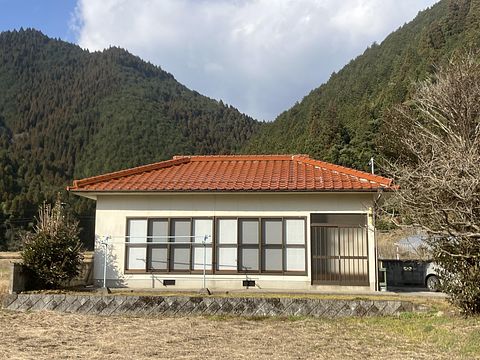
[48, 335]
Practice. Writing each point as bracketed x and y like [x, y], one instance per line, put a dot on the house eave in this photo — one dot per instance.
[92, 194]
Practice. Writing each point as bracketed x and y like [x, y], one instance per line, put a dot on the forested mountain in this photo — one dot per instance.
[67, 113]
[341, 121]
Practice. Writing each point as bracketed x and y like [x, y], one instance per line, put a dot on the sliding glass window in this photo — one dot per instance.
[137, 248]
[261, 245]
[249, 245]
[239, 245]
[158, 251]
[294, 245]
[227, 245]
[168, 245]
[202, 231]
[272, 233]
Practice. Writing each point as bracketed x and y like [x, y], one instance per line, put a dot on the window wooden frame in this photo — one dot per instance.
[266, 246]
[362, 280]
[129, 245]
[157, 245]
[261, 269]
[210, 246]
[169, 245]
[245, 246]
[215, 246]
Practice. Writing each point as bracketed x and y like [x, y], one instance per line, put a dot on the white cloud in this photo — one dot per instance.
[258, 55]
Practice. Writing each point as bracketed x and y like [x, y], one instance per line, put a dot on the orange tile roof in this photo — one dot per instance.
[234, 173]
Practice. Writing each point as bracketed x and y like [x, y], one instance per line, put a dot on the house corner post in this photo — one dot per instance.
[372, 249]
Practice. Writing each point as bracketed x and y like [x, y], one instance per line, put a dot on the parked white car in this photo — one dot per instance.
[432, 280]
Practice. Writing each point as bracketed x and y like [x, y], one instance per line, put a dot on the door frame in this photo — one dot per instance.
[341, 279]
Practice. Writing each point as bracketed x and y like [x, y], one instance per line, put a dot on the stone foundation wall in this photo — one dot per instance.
[208, 305]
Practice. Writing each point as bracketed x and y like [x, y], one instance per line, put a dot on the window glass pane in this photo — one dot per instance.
[361, 239]
[295, 259]
[331, 268]
[295, 231]
[273, 259]
[202, 227]
[352, 241]
[181, 230]
[136, 258]
[159, 230]
[227, 231]
[180, 257]
[329, 243]
[227, 258]
[198, 257]
[272, 231]
[158, 258]
[249, 259]
[137, 230]
[249, 230]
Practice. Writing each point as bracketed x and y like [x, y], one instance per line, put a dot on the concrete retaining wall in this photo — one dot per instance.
[20, 279]
[193, 305]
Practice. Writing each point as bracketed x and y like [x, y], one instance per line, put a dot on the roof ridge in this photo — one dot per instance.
[239, 157]
[130, 171]
[345, 170]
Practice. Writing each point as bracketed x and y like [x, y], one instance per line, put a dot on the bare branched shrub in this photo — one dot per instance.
[53, 250]
[438, 171]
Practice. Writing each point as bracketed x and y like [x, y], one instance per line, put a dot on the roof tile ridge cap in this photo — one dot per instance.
[300, 157]
[131, 171]
[240, 157]
[175, 157]
[347, 170]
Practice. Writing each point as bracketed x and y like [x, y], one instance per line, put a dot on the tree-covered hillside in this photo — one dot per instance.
[67, 113]
[341, 121]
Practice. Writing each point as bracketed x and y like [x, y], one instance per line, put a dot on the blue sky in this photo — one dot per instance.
[260, 56]
[52, 17]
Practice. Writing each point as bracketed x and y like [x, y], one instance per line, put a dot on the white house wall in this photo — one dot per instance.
[113, 210]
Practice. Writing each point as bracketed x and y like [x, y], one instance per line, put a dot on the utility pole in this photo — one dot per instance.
[371, 163]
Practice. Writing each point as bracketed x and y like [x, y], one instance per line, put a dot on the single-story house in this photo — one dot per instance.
[277, 222]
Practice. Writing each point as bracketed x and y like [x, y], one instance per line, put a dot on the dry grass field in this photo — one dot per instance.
[47, 335]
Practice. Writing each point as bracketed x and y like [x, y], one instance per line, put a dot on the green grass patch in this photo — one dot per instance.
[445, 332]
